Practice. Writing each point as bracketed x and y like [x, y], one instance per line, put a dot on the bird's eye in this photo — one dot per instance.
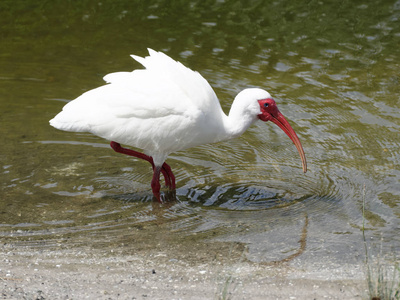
[266, 104]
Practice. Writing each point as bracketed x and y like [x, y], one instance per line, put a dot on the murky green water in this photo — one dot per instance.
[332, 66]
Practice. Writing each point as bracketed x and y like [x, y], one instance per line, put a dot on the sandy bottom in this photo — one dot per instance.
[200, 271]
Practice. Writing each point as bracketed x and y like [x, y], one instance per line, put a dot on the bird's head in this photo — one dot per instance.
[252, 104]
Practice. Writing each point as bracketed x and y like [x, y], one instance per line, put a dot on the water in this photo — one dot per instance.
[332, 67]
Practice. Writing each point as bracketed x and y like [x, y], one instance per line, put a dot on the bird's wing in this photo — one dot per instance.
[167, 75]
[197, 89]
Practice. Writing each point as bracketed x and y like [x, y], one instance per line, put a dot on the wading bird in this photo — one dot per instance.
[163, 108]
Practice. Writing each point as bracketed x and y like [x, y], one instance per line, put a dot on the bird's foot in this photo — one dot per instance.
[166, 197]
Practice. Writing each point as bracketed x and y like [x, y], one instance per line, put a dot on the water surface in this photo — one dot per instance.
[332, 67]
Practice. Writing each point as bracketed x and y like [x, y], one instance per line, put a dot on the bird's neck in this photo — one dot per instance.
[237, 122]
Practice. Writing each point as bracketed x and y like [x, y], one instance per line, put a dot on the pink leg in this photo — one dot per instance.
[117, 148]
[171, 176]
[165, 169]
[155, 183]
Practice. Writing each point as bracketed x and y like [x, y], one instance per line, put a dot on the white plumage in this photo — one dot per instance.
[163, 108]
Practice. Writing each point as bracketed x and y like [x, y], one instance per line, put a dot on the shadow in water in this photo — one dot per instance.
[229, 197]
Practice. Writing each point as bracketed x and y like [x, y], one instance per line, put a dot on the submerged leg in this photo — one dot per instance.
[165, 169]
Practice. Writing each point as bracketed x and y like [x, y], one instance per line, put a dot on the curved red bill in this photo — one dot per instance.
[280, 120]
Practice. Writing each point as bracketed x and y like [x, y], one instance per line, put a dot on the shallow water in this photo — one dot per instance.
[333, 69]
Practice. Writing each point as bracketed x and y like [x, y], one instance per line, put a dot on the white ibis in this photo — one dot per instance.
[163, 108]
